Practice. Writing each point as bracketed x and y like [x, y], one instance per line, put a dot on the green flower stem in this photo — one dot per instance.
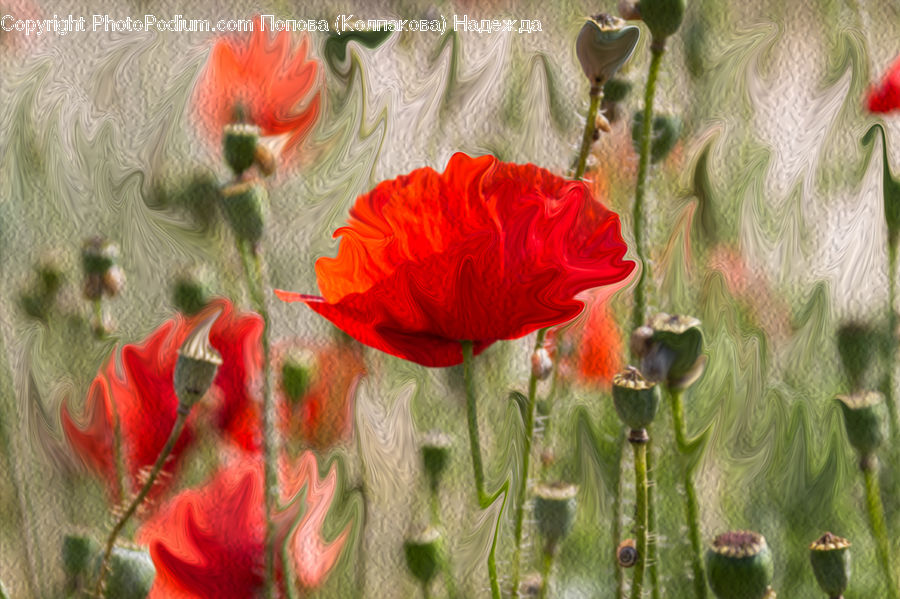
[523, 478]
[652, 548]
[640, 190]
[139, 498]
[892, 339]
[640, 527]
[484, 500]
[425, 593]
[617, 517]
[253, 270]
[876, 522]
[587, 140]
[546, 568]
[692, 508]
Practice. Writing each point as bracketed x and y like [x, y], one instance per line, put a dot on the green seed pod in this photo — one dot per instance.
[857, 345]
[423, 555]
[78, 553]
[603, 45]
[197, 365]
[131, 574]
[663, 17]
[192, 290]
[636, 399]
[616, 90]
[864, 419]
[663, 137]
[240, 146]
[435, 455]
[554, 510]
[830, 559]
[245, 205]
[670, 349]
[739, 566]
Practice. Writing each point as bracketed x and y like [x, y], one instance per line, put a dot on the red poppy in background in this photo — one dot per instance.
[323, 415]
[265, 81]
[209, 542]
[885, 96]
[485, 251]
[599, 347]
[140, 395]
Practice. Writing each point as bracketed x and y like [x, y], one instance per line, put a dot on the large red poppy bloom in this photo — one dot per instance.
[485, 251]
[209, 542]
[262, 78]
[885, 96]
[323, 415]
[140, 395]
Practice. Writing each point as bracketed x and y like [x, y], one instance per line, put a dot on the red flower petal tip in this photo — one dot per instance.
[885, 97]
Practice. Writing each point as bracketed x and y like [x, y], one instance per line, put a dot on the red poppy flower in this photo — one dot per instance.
[140, 395]
[885, 97]
[273, 86]
[209, 542]
[323, 415]
[599, 350]
[485, 251]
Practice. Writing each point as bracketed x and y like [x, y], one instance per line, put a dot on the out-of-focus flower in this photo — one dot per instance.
[262, 81]
[599, 349]
[885, 97]
[139, 394]
[209, 542]
[484, 251]
[317, 387]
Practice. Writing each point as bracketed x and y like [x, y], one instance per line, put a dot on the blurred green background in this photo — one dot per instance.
[775, 240]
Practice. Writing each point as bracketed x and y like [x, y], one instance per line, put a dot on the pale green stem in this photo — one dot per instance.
[876, 522]
[640, 525]
[587, 139]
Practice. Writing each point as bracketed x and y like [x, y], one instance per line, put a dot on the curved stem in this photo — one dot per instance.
[136, 502]
[640, 528]
[253, 270]
[484, 500]
[587, 139]
[876, 522]
[637, 218]
[521, 495]
[691, 506]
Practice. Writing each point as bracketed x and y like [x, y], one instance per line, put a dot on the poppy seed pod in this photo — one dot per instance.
[423, 555]
[78, 553]
[670, 350]
[191, 291]
[663, 17]
[830, 559]
[864, 418]
[131, 574]
[435, 455]
[245, 205]
[554, 510]
[197, 365]
[857, 344]
[603, 45]
[636, 399]
[297, 374]
[240, 141]
[739, 566]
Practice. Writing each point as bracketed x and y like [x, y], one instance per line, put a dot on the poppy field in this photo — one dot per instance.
[510, 299]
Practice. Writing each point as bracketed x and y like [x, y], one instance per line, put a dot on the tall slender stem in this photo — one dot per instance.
[587, 139]
[522, 493]
[253, 270]
[640, 190]
[546, 568]
[640, 525]
[691, 506]
[484, 500]
[617, 515]
[876, 522]
[892, 339]
[139, 498]
[652, 548]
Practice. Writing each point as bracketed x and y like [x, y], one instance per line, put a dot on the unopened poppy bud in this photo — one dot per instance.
[423, 555]
[636, 399]
[603, 45]
[264, 159]
[245, 205]
[297, 374]
[739, 566]
[864, 418]
[240, 141]
[629, 10]
[541, 364]
[554, 510]
[435, 455]
[131, 574]
[626, 554]
[830, 559]
[197, 365]
[113, 280]
[857, 344]
[78, 554]
[673, 353]
[98, 255]
[663, 17]
[191, 291]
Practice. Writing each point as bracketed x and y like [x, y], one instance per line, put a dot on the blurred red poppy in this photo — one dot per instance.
[322, 415]
[265, 81]
[209, 542]
[599, 347]
[140, 395]
[485, 251]
[885, 96]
